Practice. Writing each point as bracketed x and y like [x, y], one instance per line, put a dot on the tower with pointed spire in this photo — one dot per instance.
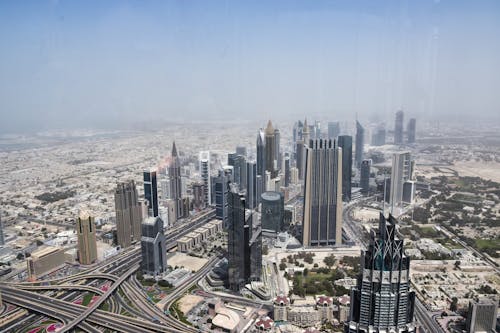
[270, 150]
[174, 175]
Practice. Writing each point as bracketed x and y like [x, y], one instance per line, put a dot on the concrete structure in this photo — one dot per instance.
[272, 212]
[365, 176]
[153, 247]
[360, 141]
[251, 185]
[87, 244]
[43, 261]
[151, 192]
[199, 196]
[205, 176]
[128, 214]
[270, 150]
[345, 142]
[402, 171]
[398, 128]
[281, 304]
[411, 130]
[482, 316]
[174, 175]
[382, 300]
[225, 319]
[322, 218]
[261, 158]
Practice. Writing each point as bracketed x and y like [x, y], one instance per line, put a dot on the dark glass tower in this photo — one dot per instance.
[322, 218]
[398, 128]
[261, 158]
[174, 174]
[151, 192]
[2, 238]
[288, 174]
[251, 193]
[411, 129]
[272, 212]
[220, 192]
[382, 300]
[360, 141]
[270, 150]
[345, 142]
[333, 130]
[365, 176]
[153, 248]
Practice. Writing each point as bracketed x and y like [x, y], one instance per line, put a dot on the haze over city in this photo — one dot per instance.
[116, 63]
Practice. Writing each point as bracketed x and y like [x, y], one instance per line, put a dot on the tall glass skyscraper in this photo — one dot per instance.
[220, 193]
[270, 150]
[151, 192]
[411, 129]
[365, 176]
[128, 214]
[174, 175]
[205, 176]
[153, 247]
[322, 218]
[251, 192]
[382, 300]
[2, 238]
[261, 157]
[272, 212]
[345, 142]
[360, 141]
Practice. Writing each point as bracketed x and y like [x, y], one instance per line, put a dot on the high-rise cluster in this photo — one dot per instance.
[382, 300]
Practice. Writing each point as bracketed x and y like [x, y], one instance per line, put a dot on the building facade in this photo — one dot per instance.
[322, 218]
[345, 142]
[382, 300]
[398, 128]
[272, 212]
[128, 214]
[411, 130]
[360, 141]
[87, 243]
[205, 176]
[174, 175]
[151, 192]
[153, 247]
[402, 171]
[364, 181]
[482, 316]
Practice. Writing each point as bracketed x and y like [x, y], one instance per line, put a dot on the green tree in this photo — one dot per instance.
[329, 261]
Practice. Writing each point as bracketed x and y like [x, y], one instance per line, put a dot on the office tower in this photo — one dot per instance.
[153, 247]
[287, 171]
[241, 150]
[174, 175]
[220, 189]
[272, 212]
[398, 128]
[360, 141]
[297, 131]
[294, 175]
[382, 300]
[251, 192]
[378, 137]
[2, 238]
[322, 220]
[270, 149]
[306, 134]
[261, 187]
[87, 244]
[345, 142]
[365, 176]
[411, 129]
[409, 189]
[402, 170]
[205, 176]
[261, 153]
[151, 192]
[317, 130]
[198, 196]
[44, 260]
[165, 189]
[277, 149]
[482, 316]
[244, 246]
[238, 162]
[128, 214]
[300, 152]
[236, 239]
[333, 130]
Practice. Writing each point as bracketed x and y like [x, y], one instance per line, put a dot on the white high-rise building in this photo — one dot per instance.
[205, 175]
[402, 171]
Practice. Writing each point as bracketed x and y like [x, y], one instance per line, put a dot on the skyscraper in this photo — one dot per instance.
[151, 192]
[398, 128]
[300, 152]
[482, 316]
[360, 141]
[365, 176]
[220, 186]
[236, 239]
[174, 175]
[241, 150]
[297, 131]
[251, 192]
[198, 189]
[411, 129]
[287, 171]
[333, 130]
[244, 246]
[128, 214]
[270, 149]
[322, 220]
[205, 176]
[382, 300]
[345, 142]
[402, 171]
[87, 244]
[277, 149]
[261, 153]
[378, 137]
[272, 212]
[153, 248]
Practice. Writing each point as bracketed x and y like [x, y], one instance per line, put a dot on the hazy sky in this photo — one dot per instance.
[109, 63]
